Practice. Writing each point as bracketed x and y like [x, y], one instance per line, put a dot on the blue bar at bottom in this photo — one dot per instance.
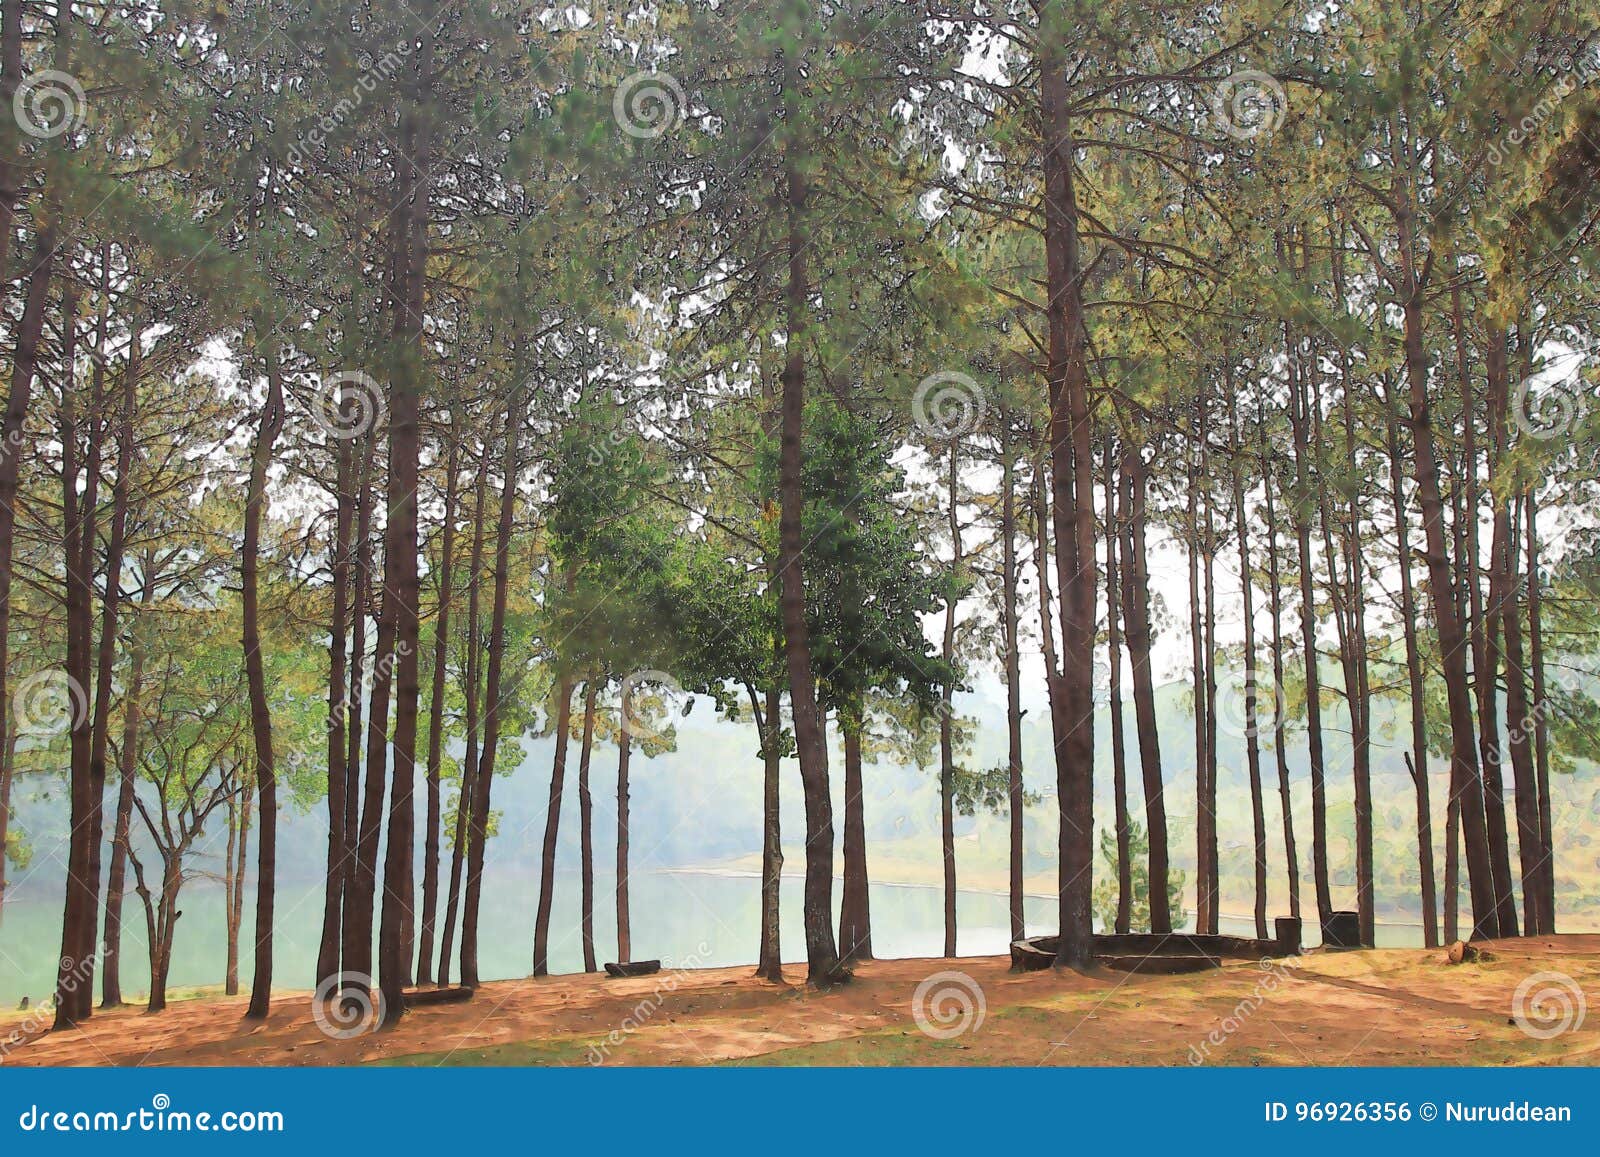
[769, 1112]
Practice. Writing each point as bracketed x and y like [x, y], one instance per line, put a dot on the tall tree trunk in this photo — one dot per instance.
[339, 711]
[624, 910]
[24, 367]
[98, 693]
[1213, 874]
[441, 656]
[492, 691]
[1354, 652]
[1466, 782]
[469, 759]
[1136, 608]
[947, 769]
[1119, 770]
[272, 414]
[822, 955]
[1252, 736]
[769, 959]
[1518, 725]
[1013, 672]
[769, 964]
[586, 826]
[1541, 721]
[1197, 673]
[1487, 674]
[855, 910]
[352, 932]
[1301, 511]
[127, 779]
[1280, 744]
[1072, 503]
[230, 972]
[411, 218]
[111, 605]
[1417, 764]
[74, 982]
[552, 827]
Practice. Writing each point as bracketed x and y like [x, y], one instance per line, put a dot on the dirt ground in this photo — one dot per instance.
[1383, 1007]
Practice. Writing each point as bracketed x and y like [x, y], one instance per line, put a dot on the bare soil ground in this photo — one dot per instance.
[1384, 1007]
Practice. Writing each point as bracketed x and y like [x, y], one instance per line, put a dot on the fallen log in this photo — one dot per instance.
[633, 968]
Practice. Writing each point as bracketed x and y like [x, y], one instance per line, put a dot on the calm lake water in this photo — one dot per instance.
[692, 919]
[687, 918]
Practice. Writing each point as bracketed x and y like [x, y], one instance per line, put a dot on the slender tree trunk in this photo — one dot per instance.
[1304, 503]
[1119, 769]
[1280, 739]
[362, 885]
[552, 827]
[769, 965]
[469, 761]
[1013, 671]
[1353, 650]
[822, 955]
[1466, 782]
[235, 862]
[624, 911]
[106, 647]
[74, 979]
[1486, 676]
[1197, 673]
[1136, 607]
[24, 367]
[769, 959]
[1252, 735]
[1072, 504]
[352, 933]
[947, 769]
[586, 826]
[1417, 764]
[127, 779]
[411, 218]
[272, 415]
[1209, 564]
[1519, 724]
[127, 776]
[855, 910]
[339, 710]
[1345, 634]
[492, 692]
[441, 656]
[1541, 721]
